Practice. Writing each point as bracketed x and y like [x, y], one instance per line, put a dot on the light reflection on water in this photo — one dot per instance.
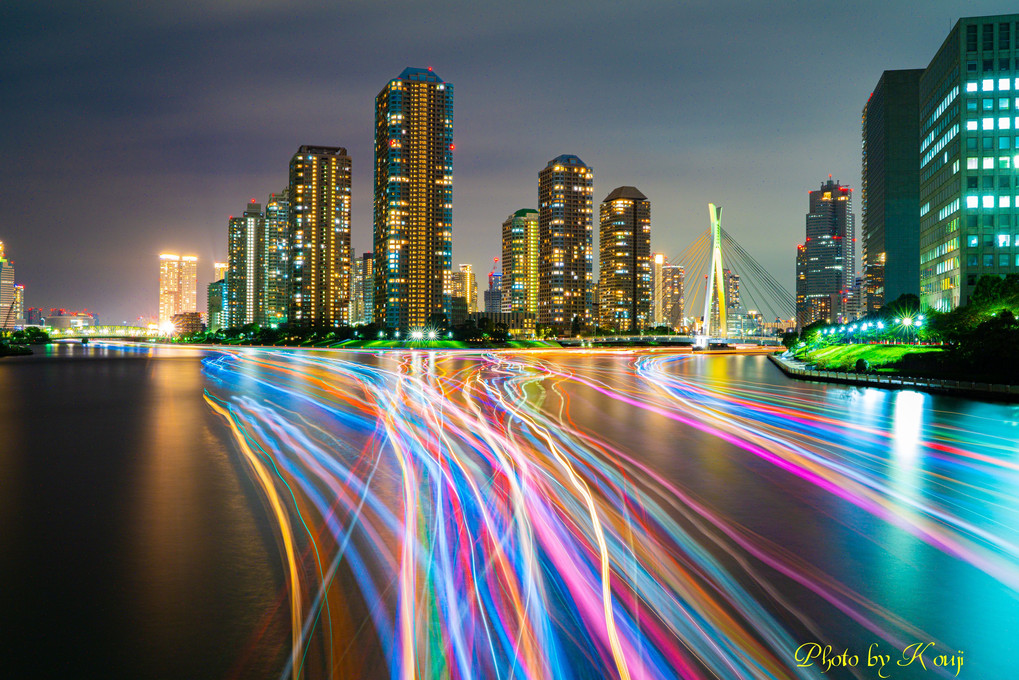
[847, 496]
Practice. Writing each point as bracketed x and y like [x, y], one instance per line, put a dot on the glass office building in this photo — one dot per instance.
[969, 145]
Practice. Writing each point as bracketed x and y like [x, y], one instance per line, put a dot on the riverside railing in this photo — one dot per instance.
[889, 381]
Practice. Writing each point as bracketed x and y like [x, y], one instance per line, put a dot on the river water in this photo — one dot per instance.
[175, 513]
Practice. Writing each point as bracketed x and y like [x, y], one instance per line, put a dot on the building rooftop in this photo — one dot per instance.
[625, 192]
[322, 150]
[524, 212]
[421, 74]
[566, 159]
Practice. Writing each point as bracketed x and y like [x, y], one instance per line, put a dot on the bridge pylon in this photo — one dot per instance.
[716, 277]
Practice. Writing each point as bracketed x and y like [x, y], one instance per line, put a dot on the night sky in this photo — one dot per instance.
[132, 128]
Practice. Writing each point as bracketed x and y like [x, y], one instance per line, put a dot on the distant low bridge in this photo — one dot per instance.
[101, 332]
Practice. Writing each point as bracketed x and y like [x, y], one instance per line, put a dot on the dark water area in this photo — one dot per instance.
[132, 544]
[135, 542]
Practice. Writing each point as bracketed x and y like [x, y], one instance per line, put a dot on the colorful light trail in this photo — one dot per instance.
[459, 512]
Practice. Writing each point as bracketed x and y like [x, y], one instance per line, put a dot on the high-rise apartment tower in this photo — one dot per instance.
[520, 262]
[565, 264]
[624, 256]
[319, 252]
[413, 243]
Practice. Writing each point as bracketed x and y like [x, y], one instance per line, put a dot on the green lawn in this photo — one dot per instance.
[844, 357]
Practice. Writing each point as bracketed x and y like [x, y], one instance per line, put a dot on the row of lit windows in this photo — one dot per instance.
[990, 201]
[987, 85]
[988, 123]
[991, 240]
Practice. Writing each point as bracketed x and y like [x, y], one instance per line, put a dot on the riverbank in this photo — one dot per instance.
[975, 390]
[14, 351]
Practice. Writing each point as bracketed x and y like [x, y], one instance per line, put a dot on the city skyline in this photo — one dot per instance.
[688, 144]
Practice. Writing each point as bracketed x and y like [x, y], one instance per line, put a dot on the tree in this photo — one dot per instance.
[576, 325]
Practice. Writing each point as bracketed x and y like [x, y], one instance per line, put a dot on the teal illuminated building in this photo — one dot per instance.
[413, 212]
[969, 148]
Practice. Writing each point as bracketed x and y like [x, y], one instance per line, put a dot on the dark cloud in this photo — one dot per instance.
[132, 128]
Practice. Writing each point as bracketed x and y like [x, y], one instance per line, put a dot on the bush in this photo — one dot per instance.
[862, 365]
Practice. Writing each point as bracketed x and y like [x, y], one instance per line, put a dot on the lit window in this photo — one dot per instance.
[971, 201]
[972, 163]
[972, 87]
[987, 85]
[973, 241]
[987, 201]
[1004, 123]
[971, 125]
[988, 163]
[1003, 240]
[988, 124]
[1004, 202]
[1003, 84]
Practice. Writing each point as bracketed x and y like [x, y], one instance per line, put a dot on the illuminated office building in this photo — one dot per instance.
[319, 253]
[413, 219]
[219, 270]
[19, 305]
[273, 251]
[890, 186]
[969, 148]
[366, 267]
[565, 261]
[7, 294]
[673, 300]
[657, 314]
[493, 296]
[520, 262]
[624, 256]
[178, 285]
[216, 305]
[465, 286]
[246, 267]
[829, 264]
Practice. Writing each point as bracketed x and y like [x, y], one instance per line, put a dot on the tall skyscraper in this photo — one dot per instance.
[673, 301]
[273, 252]
[246, 267]
[890, 206]
[520, 247]
[465, 285]
[413, 218]
[565, 264]
[830, 261]
[178, 285]
[624, 255]
[7, 294]
[219, 270]
[319, 254]
[657, 313]
[969, 112]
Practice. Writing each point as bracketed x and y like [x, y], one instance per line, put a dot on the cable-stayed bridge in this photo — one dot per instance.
[709, 262]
